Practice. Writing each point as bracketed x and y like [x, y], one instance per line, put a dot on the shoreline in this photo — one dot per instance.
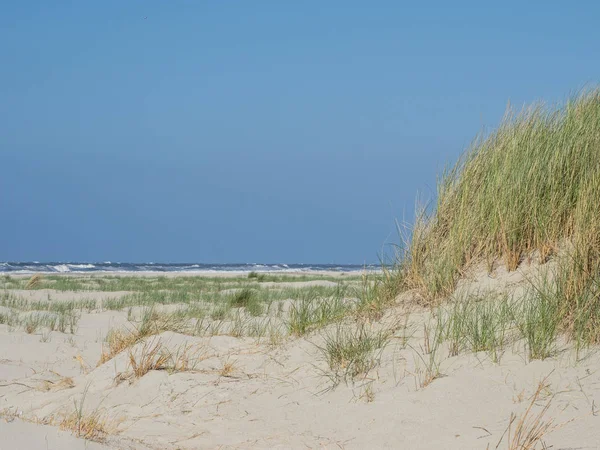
[198, 273]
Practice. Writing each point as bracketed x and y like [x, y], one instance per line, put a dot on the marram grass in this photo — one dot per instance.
[532, 187]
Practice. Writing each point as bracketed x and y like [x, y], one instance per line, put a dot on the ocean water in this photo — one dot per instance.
[115, 267]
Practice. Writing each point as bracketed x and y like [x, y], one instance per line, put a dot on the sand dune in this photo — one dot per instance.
[244, 392]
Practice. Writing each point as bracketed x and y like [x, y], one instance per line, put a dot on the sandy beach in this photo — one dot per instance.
[237, 385]
[299, 225]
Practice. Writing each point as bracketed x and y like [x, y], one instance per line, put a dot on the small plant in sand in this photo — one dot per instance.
[258, 328]
[219, 313]
[149, 356]
[57, 385]
[68, 320]
[255, 308]
[35, 281]
[368, 395]
[257, 276]
[214, 328]
[32, 323]
[530, 428]
[310, 312]
[228, 369]
[185, 358]
[477, 323]
[351, 353]
[83, 366]
[538, 323]
[427, 363]
[242, 298]
[275, 335]
[372, 296]
[238, 328]
[116, 341]
[151, 323]
[92, 425]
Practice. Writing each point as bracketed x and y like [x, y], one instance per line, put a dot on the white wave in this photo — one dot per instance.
[62, 268]
[81, 266]
[187, 268]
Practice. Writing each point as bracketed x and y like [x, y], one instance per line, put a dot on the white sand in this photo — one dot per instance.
[277, 397]
[19, 435]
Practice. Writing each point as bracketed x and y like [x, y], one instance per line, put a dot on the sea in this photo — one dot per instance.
[119, 267]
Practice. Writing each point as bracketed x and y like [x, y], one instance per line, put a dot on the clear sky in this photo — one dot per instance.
[256, 131]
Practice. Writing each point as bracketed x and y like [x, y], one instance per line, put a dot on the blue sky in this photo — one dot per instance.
[262, 131]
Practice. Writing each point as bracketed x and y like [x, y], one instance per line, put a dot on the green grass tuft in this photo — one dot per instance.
[351, 353]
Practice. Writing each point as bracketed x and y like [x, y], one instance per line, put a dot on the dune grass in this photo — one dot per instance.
[490, 322]
[34, 281]
[117, 340]
[90, 425]
[527, 432]
[477, 323]
[65, 320]
[204, 306]
[136, 283]
[312, 311]
[150, 356]
[351, 352]
[526, 189]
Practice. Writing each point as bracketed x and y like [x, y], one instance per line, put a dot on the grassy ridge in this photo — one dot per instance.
[530, 187]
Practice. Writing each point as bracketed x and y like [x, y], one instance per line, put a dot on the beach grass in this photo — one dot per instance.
[527, 192]
[351, 352]
[198, 305]
[528, 189]
[477, 323]
[311, 311]
[141, 283]
[91, 425]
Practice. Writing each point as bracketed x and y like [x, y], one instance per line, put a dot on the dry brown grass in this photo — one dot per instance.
[368, 395]
[152, 323]
[185, 358]
[58, 385]
[116, 342]
[83, 366]
[93, 425]
[228, 369]
[530, 428]
[153, 355]
[149, 356]
[34, 281]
